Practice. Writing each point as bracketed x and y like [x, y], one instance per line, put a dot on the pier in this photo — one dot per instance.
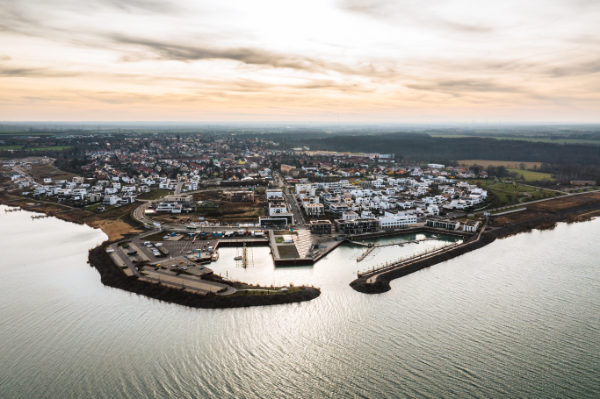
[365, 253]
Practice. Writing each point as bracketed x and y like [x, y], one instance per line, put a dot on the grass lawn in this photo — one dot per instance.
[287, 251]
[94, 207]
[531, 176]
[49, 148]
[508, 193]
[154, 194]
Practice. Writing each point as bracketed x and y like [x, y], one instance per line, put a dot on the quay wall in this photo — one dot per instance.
[410, 230]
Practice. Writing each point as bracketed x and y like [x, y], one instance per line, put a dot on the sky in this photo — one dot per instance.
[343, 61]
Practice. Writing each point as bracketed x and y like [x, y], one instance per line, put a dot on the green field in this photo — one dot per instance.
[154, 194]
[23, 148]
[50, 148]
[508, 193]
[531, 176]
[10, 147]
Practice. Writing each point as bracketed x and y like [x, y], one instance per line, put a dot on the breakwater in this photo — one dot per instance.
[378, 281]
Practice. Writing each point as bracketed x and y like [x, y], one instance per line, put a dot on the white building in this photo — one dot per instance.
[274, 193]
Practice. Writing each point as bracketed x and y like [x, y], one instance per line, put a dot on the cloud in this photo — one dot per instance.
[150, 6]
[582, 68]
[251, 56]
[173, 50]
[410, 11]
[34, 72]
[457, 87]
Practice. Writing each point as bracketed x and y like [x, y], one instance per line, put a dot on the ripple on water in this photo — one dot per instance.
[518, 318]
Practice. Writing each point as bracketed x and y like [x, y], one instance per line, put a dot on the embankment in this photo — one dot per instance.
[115, 223]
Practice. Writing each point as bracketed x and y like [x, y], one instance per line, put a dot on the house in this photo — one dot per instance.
[276, 208]
[443, 224]
[274, 193]
[338, 208]
[470, 227]
[313, 209]
[169, 207]
[110, 200]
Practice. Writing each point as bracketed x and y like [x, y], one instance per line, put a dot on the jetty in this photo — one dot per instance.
[365, 253]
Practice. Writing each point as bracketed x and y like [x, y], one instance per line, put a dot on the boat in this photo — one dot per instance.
[238, 258]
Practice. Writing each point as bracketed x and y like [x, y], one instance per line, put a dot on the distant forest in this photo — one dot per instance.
[422, 147]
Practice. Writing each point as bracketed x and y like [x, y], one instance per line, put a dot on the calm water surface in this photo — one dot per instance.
[518, 318]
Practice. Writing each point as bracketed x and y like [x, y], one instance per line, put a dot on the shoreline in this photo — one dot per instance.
[112, 276]
[547, 222]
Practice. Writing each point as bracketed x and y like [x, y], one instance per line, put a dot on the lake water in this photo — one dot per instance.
[518, 318]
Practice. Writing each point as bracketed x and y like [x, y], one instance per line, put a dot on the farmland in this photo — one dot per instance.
[507, 164]
[39, 172]
[531, 176]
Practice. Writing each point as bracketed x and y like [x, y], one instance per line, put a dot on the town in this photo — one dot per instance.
[344, 186]
[179, 199]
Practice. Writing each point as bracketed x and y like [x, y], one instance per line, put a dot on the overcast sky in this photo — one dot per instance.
[341, 61]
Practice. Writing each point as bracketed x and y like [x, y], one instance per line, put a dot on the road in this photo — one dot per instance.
[290, 199]
[292, 205]
[178, 188]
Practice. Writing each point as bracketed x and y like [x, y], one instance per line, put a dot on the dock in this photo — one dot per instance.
[365, 253]
[371, 247]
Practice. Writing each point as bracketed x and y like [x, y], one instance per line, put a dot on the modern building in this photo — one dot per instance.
[240, 196]
[274, 193]
[443, 224]
[356, 226]
[320, 226]
[389, 221]
[313, 209]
